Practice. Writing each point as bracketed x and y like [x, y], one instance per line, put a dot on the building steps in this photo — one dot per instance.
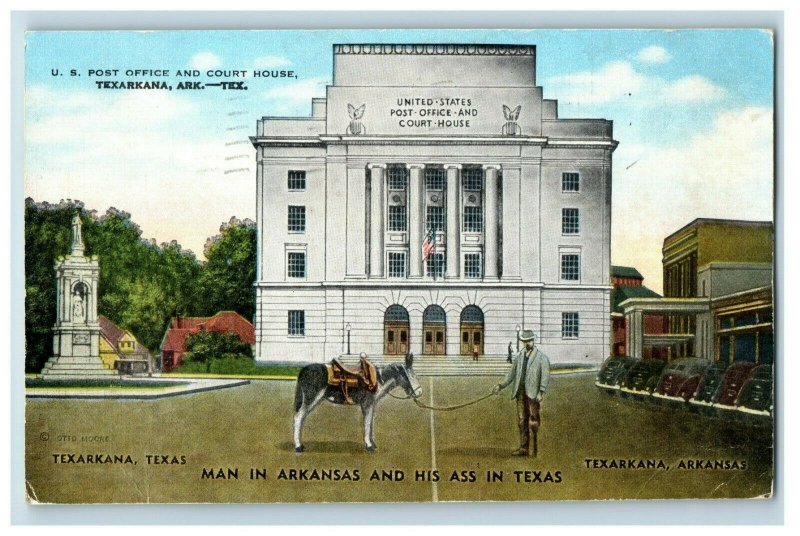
[74, 367]
[487, 365]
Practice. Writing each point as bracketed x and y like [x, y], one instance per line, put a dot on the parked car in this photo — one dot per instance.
[642, 377]
[706, 393]
[733, 382]
[613, 370]
[679, 380]
[756, 396]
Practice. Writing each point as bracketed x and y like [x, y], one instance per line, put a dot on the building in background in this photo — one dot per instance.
[433, 202]
[119, 350]
[717, 293]
[628, 283]
[173, 345]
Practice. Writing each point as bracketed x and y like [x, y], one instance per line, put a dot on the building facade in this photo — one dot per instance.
[433, 203]
[173, 344]
[629, 283]
[717, 294]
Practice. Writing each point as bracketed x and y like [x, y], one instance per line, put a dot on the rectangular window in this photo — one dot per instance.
[397, 218]
[473, 219]
[434, 218]
[397, 264]
[472, 265]
[435, 178]
[297, 180]
[472, 178]
[398, 177]
[435, 264]
[297, 219]
[570, 182]
[296, 264]
[297, 323]
[569, 325]
[570, 267]
[570, 221]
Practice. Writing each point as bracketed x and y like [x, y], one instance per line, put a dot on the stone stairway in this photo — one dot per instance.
[72, 368]
[487, 365]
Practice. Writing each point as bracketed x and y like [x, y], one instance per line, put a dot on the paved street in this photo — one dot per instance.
[591, 446]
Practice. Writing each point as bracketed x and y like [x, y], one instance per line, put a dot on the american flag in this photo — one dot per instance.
[429, 244]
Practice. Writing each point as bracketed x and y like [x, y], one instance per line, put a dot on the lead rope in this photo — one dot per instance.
[442, 408]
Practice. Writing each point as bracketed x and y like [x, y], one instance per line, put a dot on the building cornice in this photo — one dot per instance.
[325, 139]
[426, 49]
[396, 284]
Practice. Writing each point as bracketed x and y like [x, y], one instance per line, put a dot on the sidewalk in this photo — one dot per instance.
[136, 389]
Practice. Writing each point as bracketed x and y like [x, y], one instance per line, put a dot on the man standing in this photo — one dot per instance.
[529, 376]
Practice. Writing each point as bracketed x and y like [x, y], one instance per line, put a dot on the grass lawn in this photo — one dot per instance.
[250, 427]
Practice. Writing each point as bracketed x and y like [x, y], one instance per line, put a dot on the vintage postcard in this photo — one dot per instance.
[399, 265]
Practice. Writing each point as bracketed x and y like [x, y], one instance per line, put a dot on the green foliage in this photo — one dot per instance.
[206, 347]
[226, 280]
[142, 284]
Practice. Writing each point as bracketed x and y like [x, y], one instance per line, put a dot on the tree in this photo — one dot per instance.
[142, 284]
[227, 277]
[206, 346]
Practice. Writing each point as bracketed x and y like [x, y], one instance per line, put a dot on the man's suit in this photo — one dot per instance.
[528, 390]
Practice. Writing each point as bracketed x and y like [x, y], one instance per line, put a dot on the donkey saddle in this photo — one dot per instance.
[346, 378]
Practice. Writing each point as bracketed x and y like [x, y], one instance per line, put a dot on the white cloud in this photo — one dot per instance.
[205, 60]
[726, 172]
[294, 97]
[271, 62]
[694, 88]
[619, 81]
[654, 54]
[155, 154]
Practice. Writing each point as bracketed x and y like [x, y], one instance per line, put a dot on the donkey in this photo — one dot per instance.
[313, 388]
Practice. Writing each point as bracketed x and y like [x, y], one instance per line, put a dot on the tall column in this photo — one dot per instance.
[637, 333]
[511, 214]
[416, 219]
[376, 232]
[453, 220]
[490, 237]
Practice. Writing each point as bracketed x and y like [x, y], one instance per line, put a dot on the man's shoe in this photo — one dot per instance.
[521, 452]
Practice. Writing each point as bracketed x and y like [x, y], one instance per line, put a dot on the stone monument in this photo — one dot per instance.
[76, 335]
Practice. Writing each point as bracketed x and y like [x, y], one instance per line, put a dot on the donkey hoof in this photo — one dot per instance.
[299, 449]
[372, 449]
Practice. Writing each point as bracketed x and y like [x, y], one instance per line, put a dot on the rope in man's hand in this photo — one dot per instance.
[446, 408]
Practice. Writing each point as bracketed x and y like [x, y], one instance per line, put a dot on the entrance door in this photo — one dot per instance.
[395, 339]
[434, 340]
[471, 340]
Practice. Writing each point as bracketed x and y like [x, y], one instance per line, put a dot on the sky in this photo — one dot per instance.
[692, 111]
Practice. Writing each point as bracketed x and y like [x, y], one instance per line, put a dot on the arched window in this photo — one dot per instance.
[471, 314]
[395, 313]
[434, 315]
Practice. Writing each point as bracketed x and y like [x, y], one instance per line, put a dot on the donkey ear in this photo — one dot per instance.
[507, 112]
[360, 111]
[515, 113]
[351, 111]
[409, 360]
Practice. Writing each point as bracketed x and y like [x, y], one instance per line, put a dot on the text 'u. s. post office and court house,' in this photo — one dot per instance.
[432, 203]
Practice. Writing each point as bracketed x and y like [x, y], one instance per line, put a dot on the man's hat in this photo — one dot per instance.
[527, 335]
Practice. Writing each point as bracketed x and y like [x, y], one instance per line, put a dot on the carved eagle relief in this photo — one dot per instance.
[511, 128]
[356, 127]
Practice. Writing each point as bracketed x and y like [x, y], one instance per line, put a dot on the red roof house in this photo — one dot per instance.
[173, 345]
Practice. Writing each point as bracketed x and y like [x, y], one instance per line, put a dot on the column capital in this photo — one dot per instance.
[497, 167]
[373, 166]
[453, 166]
[415, 166]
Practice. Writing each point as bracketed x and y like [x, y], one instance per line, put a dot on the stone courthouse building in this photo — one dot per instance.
[433, 202]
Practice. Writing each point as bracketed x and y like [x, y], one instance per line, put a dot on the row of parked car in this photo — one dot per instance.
[715, 386]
